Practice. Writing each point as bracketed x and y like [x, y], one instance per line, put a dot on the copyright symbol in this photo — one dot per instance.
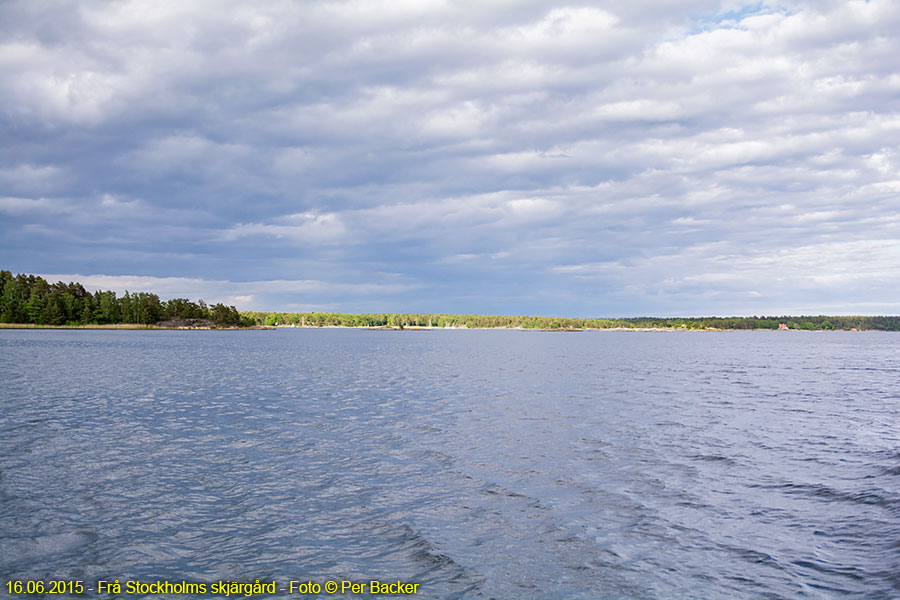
[330, 587]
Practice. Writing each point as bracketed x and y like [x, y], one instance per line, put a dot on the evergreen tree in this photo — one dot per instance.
[34, 308]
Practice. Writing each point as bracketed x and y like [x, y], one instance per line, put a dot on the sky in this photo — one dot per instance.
[592, 159]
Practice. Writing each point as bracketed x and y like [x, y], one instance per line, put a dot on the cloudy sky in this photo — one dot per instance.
[607, 158]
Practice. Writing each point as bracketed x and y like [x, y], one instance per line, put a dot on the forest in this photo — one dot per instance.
[31, 299]
[404, 320]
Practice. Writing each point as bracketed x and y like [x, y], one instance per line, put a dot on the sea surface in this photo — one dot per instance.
[477, 464]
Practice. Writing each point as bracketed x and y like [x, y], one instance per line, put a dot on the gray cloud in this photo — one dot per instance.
[537, 157]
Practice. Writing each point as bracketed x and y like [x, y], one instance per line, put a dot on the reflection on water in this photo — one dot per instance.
[479, 464]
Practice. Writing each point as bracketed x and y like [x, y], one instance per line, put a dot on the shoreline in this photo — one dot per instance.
[546, 330]
[138, 327]
[130, 327]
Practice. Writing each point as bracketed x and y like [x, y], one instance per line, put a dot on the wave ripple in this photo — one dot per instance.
[479, 464]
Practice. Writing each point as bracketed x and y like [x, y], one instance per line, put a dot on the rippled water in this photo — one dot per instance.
[479, 464]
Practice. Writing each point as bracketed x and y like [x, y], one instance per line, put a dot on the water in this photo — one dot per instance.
[478, 464]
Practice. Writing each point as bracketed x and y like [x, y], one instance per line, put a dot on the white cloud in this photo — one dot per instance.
[19, 206]
[245, 295]
[648, 152]
[307, 228]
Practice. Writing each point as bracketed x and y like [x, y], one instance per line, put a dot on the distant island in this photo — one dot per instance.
[29, 300]
[442, 320]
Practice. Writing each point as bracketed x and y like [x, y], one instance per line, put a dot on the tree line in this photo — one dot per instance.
[31, 299]
[811, 323]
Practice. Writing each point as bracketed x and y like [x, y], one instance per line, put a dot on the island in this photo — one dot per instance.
[30, 301]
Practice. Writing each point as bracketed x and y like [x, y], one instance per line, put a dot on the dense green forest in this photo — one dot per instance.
[318, 319]
[30, 299]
